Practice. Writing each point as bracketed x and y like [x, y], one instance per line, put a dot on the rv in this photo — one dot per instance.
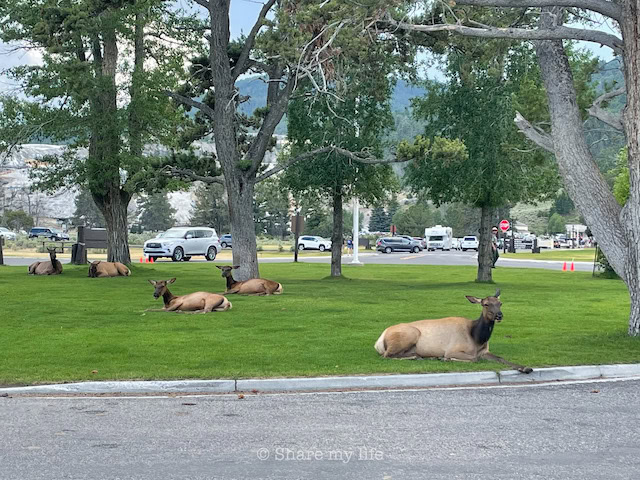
[438, 237]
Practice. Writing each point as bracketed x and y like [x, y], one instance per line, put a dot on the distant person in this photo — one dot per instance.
[350, 247]
[494, 246]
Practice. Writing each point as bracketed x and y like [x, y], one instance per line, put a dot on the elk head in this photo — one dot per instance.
[160, 286]
[226, 270]
[52, 253]
[490, 306]
[93, 269]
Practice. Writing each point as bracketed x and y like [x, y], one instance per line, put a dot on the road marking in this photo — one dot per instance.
[411, 257]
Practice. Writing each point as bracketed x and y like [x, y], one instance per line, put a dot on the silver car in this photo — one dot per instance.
[181, 243]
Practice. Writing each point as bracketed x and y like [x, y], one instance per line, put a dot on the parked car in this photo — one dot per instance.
[51, 233]
[309, 242]
[397, 244]
[182, 243]
[7, 234]
[419, 241]
[225, 241]
[469, 243]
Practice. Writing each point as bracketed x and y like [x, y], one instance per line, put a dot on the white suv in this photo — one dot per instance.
[308, 242]
[469, 243]
[181, 243]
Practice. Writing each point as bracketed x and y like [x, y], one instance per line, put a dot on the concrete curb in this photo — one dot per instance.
[505, 377]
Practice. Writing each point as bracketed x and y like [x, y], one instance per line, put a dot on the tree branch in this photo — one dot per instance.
[534, 134]
[360, 157]
[606, 8]
[203, 3]
[188, 174]
[207, 110]
[556, 33]
[612, 119]
[239, 68]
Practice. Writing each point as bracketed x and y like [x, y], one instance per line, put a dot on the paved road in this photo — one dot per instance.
[423, 258]
[579, 431]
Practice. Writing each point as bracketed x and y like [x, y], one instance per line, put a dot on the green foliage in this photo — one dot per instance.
[157, 212]
[621, 187]
[556, 224]
[563, 204]
[210, 209]
[87, 213]
[413, 220]
[379, 220]
[271, 208]
[17, 220]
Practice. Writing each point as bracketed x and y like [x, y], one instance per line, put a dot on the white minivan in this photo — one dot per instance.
[469, 243]
[181, 243]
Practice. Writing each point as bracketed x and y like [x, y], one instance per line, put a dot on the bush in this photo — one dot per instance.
[603, 264]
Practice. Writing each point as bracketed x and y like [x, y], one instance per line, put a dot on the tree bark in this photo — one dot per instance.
[113, 206]
[240, 194]
[336, 235]
[485, 258]
[630, 28]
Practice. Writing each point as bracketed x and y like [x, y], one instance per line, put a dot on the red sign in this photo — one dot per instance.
[504, 225]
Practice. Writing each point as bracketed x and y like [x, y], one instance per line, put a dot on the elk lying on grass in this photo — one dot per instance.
[108, 269]
[198, 302]
[52, 267]
[254, 286]
[450, 338]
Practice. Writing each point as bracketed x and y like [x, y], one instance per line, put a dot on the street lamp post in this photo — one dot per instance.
[356, 229]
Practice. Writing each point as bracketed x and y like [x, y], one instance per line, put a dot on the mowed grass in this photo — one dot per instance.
[61, 328]
[561, 254]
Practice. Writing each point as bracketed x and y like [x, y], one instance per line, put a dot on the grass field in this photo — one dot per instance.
[562, 254]
[61, 328]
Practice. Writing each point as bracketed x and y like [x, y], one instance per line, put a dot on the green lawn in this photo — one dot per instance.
[562, 254]
[61, 328]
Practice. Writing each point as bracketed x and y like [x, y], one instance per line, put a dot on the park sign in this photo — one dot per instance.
[504, 225]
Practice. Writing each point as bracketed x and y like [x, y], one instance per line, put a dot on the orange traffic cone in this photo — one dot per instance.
[564, 267]
[573, 269]
[141, 260]
[146, 259]
[151, 260]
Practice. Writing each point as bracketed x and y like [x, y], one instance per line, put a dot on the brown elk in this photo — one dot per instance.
[198, 302]
[253, 286]
[52, 267]
[108, 269]
[450, 338]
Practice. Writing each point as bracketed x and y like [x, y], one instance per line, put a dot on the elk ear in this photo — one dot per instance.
[473, 299]
[172, 280]
[218, 266]
[236, 266]
[497, 294]
[152, 282]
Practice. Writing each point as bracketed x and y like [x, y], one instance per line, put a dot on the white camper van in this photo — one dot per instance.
[438, 237]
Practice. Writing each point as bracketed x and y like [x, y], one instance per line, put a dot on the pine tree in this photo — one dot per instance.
[210, 208]
[379, 221]
[157, 212]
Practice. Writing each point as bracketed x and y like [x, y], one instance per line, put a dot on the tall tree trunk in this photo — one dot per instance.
[336, 235]
[113, 206]
[613, 227]
[630, 27]
[240, 197]
[103, 166]
[485, 255]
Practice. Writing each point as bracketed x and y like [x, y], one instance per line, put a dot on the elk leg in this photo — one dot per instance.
[174, 307]
[495, 358]
[459, 356]
[401, 342]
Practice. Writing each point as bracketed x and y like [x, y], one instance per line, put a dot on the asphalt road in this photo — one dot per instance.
[423, 258]
[579, 431]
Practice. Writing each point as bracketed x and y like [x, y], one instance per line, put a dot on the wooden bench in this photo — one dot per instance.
[87, 238]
